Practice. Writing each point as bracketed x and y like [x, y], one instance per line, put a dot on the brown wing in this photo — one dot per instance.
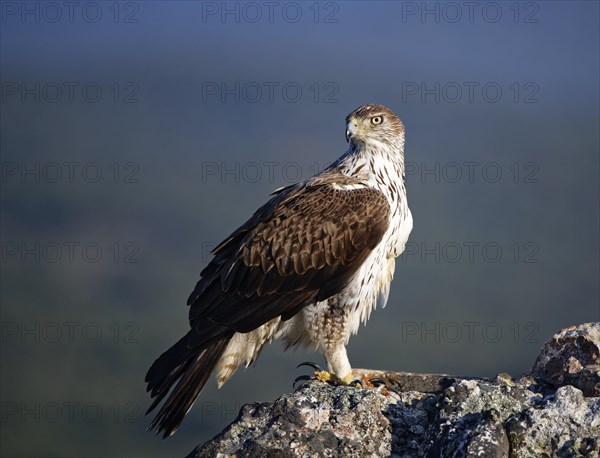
[303, 245]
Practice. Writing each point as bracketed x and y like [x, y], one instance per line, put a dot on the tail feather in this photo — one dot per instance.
[191, 367]
[166, 364]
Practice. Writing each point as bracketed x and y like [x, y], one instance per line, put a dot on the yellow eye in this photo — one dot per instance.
[377, 119]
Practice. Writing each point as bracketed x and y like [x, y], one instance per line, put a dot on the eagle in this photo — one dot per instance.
[308, 267]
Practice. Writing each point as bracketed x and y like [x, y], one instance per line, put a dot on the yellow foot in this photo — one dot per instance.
[358, 378]
[332, 379]
[328, 377]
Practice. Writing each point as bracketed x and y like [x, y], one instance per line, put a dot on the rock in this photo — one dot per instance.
[314, 420]
[564, 424]
[571, 357]
[548, 412]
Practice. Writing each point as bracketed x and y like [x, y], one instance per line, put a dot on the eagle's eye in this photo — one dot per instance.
[377, 120]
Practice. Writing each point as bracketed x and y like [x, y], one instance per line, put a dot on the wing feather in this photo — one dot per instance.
[303, 245]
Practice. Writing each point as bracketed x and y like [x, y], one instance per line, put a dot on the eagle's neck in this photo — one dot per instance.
[381, 165]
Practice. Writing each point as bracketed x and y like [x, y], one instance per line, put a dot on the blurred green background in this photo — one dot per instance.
[136, 135]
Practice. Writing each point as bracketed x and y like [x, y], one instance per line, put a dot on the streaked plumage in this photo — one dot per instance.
[307, 267]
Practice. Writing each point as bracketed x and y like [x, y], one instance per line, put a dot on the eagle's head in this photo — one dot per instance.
[374, 126]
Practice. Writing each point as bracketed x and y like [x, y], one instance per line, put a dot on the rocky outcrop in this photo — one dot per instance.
[571, 357]
[553, 411]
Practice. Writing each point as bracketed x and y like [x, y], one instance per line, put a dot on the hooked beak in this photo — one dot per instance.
[351, 129]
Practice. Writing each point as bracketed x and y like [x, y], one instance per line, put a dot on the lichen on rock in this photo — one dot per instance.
[552, 411]
[571, 357]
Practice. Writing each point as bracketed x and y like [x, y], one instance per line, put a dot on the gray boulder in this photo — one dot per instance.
[552, 411]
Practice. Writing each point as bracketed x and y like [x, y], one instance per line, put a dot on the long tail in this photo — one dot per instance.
[191, 367]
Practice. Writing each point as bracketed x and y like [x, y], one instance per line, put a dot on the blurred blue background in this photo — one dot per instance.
[136, 135]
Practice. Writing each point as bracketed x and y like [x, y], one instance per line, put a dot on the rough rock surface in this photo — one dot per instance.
[572, 357]
[543, 414]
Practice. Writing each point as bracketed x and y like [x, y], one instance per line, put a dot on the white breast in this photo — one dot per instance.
[372, 282]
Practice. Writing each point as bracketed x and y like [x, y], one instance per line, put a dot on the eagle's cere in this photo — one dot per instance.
[308, 267]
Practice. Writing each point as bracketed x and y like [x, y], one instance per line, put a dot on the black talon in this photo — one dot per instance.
[302, 378]
[309, 364]
[357, 380]
[377, 381]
